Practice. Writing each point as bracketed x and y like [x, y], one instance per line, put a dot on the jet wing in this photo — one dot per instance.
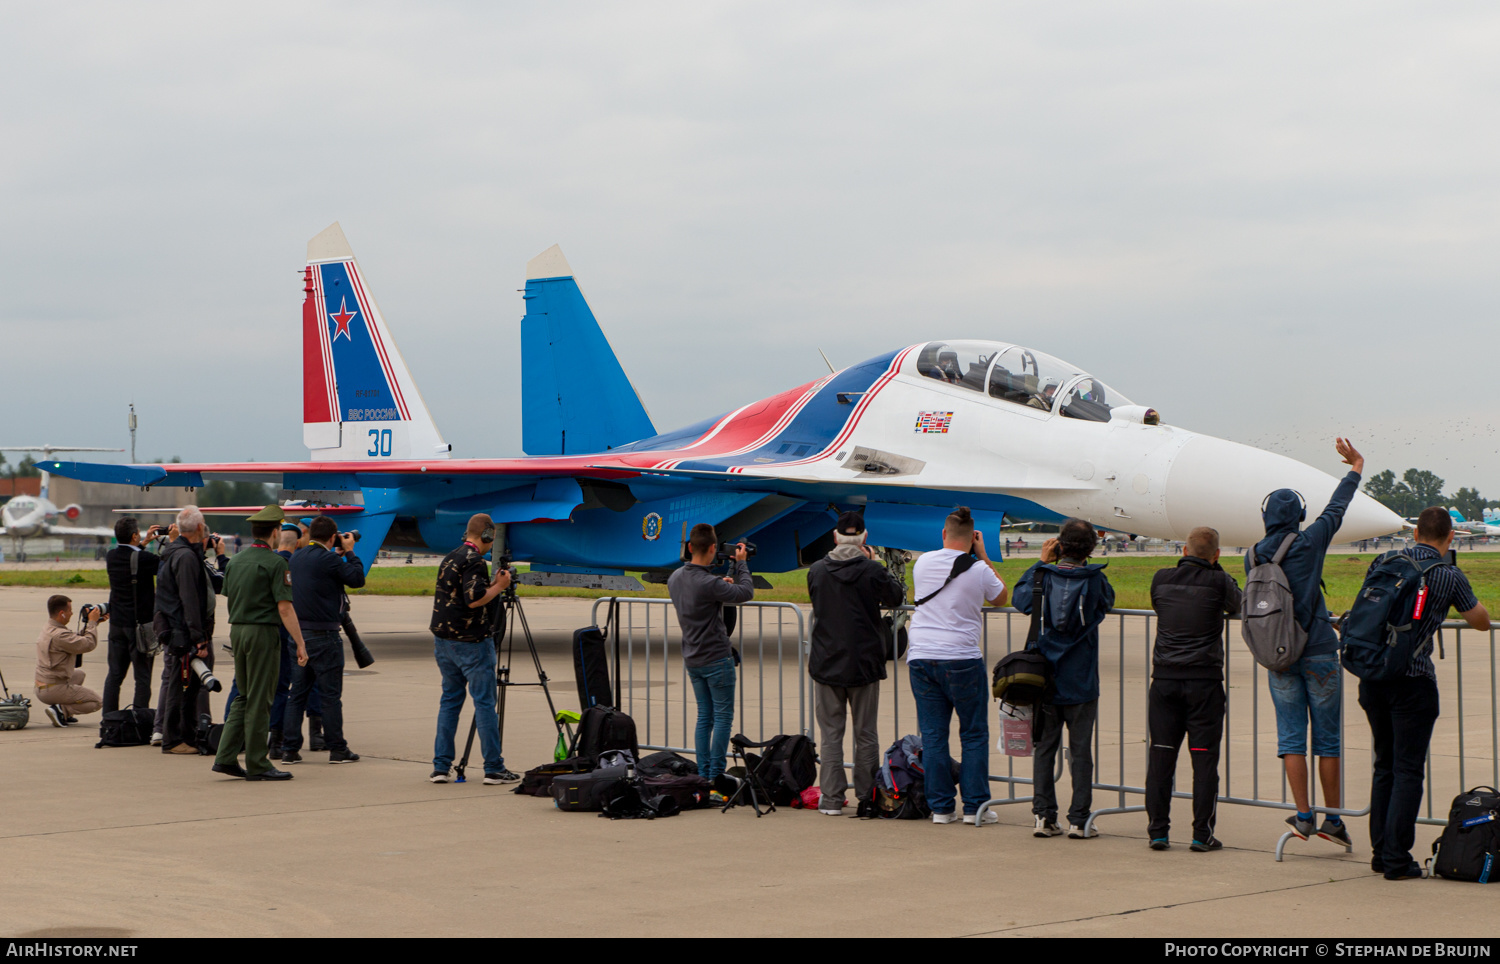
[79, 531]
[350, 476]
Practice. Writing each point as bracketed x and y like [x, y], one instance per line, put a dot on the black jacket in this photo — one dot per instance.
[126, 610]
[319, 576]
[185, 588]
[849, 639]
[1191, 601]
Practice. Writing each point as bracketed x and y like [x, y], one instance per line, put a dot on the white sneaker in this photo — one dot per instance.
[945, 817]
[1075, 832]
[832, 813]
[1045, 827]
[156, 739]
[989, 817]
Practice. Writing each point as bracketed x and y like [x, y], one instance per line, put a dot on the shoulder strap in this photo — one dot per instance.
[135, 563]
[1037, 601]
[961, 565]
[1286, 544]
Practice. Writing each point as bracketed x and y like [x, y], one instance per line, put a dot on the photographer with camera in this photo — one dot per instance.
[185, 588]
[463, 639]
[59, 682]
[321, 571]
[132, 602]
[699, 596]
[259, 587]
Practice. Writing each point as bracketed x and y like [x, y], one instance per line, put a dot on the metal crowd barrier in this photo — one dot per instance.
[646, 641]
[774, 691]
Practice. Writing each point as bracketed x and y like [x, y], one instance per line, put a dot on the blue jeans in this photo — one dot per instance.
[713, 685]
[940, 687]
[469, 665]
[1309, 690]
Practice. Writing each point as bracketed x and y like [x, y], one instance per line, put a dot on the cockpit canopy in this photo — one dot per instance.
[1021, 376]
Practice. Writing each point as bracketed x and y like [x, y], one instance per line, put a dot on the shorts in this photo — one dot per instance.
[1311, 689]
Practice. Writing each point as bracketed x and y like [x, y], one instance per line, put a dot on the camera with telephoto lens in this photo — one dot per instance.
[206, 677]
[351, 532]
[728, 549]
[89, 608]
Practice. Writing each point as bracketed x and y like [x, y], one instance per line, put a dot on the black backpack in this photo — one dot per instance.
[1469, 848]
[605, 728]
[788, 766]
[1379, 633]
[128, 727]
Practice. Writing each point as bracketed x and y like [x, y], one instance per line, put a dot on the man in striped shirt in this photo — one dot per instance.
[1402, 711]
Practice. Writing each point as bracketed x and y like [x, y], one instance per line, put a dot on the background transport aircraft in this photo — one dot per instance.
[1017, 435]
[25, 517]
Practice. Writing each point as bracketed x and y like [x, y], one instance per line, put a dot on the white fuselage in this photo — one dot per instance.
[27, 516]
[1121, 474]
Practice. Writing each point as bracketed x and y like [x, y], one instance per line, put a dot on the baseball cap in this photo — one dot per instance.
[851, 523]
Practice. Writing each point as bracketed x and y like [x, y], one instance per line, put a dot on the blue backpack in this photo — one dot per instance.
[1379, 633]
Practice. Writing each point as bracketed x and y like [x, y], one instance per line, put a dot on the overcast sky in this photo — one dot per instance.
[1275, 222]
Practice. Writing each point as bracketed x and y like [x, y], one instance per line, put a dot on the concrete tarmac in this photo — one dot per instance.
[130, 842]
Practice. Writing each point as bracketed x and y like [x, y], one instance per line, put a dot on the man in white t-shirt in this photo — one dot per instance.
[947, 668]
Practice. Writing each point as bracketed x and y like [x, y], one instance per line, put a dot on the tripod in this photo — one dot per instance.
[507, 615]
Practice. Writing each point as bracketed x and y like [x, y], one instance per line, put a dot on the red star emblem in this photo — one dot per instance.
[341, 321]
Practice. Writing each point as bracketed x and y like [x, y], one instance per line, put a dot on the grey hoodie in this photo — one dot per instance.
[699, 597]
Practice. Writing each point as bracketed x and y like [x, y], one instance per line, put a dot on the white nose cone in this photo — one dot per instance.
[1222, 484]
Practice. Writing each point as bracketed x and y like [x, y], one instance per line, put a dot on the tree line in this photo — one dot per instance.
[1418, 488]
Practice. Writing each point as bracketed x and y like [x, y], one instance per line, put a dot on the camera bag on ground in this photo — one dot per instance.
[586, 792]
[128, 727]
[667, 763]
[603, 728]
[1268, 619]
[899, 793]
[15, 709]
[690, 791]
[1469, 848]
[537, 782]
[788, 766]
[591, 664]
[636, 800]
[1379, 632]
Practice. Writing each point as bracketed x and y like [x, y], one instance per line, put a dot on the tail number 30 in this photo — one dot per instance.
[380, 442]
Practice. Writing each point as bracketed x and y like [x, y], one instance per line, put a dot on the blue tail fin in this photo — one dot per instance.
[575, 397]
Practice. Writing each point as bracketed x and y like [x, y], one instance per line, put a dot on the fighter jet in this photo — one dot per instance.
[26, 517]
[1016, 434]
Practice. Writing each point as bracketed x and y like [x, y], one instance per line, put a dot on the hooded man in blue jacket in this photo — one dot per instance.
[1076, 597]
[1310, 689]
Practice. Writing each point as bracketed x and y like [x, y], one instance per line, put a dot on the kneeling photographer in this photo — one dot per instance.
[321, 570]
[185, 588]
[59, 681]
[463, 630]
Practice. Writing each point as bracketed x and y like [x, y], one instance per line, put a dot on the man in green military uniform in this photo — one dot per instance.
[259, 586]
